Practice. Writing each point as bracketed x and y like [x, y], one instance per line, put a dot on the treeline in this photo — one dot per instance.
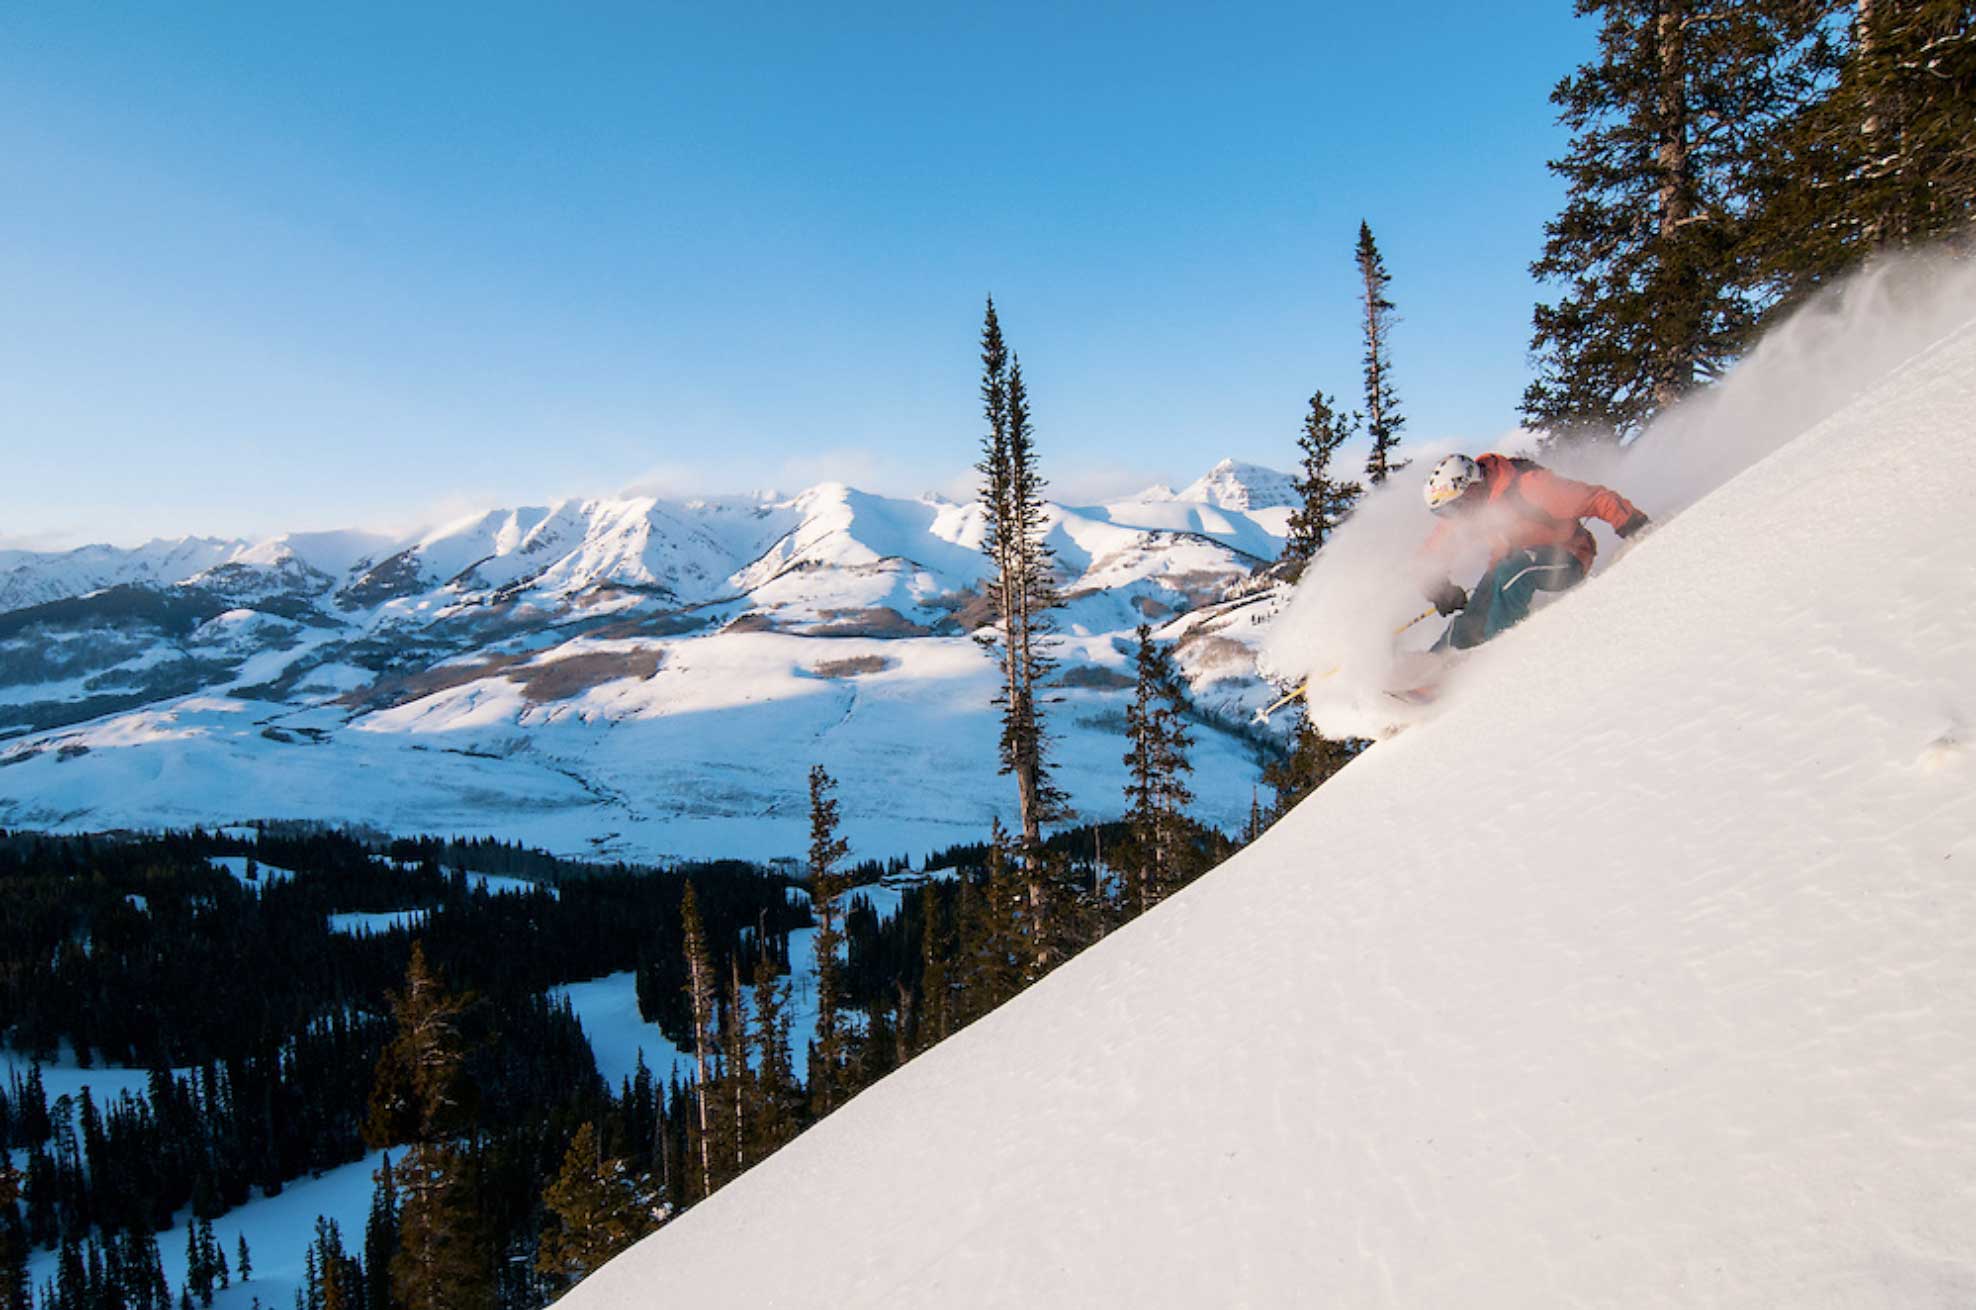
[1726, 160]
[261, 1028]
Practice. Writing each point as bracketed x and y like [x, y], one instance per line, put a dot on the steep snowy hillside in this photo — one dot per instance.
[1639, 976]
[629, 677]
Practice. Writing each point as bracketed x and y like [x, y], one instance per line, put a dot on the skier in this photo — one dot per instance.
[1529, 518]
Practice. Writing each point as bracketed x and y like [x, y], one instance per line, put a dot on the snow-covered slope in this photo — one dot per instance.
[620, 677]
[1640, 976]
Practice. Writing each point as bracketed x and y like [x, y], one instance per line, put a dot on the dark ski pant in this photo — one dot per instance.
[1502, 598]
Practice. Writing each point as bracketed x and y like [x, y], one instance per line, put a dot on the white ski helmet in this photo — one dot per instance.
[1450, 478]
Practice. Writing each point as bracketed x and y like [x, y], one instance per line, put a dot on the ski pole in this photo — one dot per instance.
[1429, 612]
[1262, 715]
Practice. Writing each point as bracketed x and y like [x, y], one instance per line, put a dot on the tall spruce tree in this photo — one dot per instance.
[1383, 419]
[1023, 591]
[936, 982]
[737, 1080]
[1156, 792]
[777, 1096]
[421, 1095]
[1326, 499]
[597, 1206]
[334, 1279]
[1646, 251]
[700, 990]
[830, 1057]
[380, 1236]
[992, 958]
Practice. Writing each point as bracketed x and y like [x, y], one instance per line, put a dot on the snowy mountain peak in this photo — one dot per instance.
[1232, 484]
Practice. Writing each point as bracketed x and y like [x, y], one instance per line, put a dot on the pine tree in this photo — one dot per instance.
[421, 1094]
[1156, 793]
[829, 1057]
[1646, 249]
[212, 1259]
[737, 1082]
[774, 1123]
[1023, 591]
[597, 1207]
[700, 996]
[936, 991]
[1383, 419]
[333, 1279]
[380, 1237]
[1878, 153]
[441, 1263]
[992, 934]
[1312, 760]
[243, 1261]
[198, 1277]
[1326, 500]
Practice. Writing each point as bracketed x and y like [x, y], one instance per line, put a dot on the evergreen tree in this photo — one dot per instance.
[1326, 499]
[830, 1056]
[71, 1276]
[737, 1081]
[333, 1279]
[441, 1262]
[774, 1122]
[1646, 250]
[212, 1260]
[380, 1238]
[991, 933]
[1383, 419]
[700, 995]
[1023, 591]
[1878, 153]
[1312, 760]
[198, 1277]
[936, 990]
[596, 1207]
[421, 1094]
[1156, 792]
[243, 1260]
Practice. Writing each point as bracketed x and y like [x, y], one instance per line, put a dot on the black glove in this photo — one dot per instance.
[1448, 598]
[1639, 522]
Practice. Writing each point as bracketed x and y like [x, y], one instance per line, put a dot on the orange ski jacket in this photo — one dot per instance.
[1523, 506]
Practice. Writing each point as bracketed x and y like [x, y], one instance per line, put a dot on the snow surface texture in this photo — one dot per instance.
[1641, 975]
[617, 678]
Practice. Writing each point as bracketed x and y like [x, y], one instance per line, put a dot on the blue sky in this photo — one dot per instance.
[277, 266]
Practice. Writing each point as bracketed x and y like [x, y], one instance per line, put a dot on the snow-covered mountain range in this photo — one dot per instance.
[628, 676]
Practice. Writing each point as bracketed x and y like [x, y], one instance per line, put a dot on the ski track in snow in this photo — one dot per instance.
[1639, 974]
